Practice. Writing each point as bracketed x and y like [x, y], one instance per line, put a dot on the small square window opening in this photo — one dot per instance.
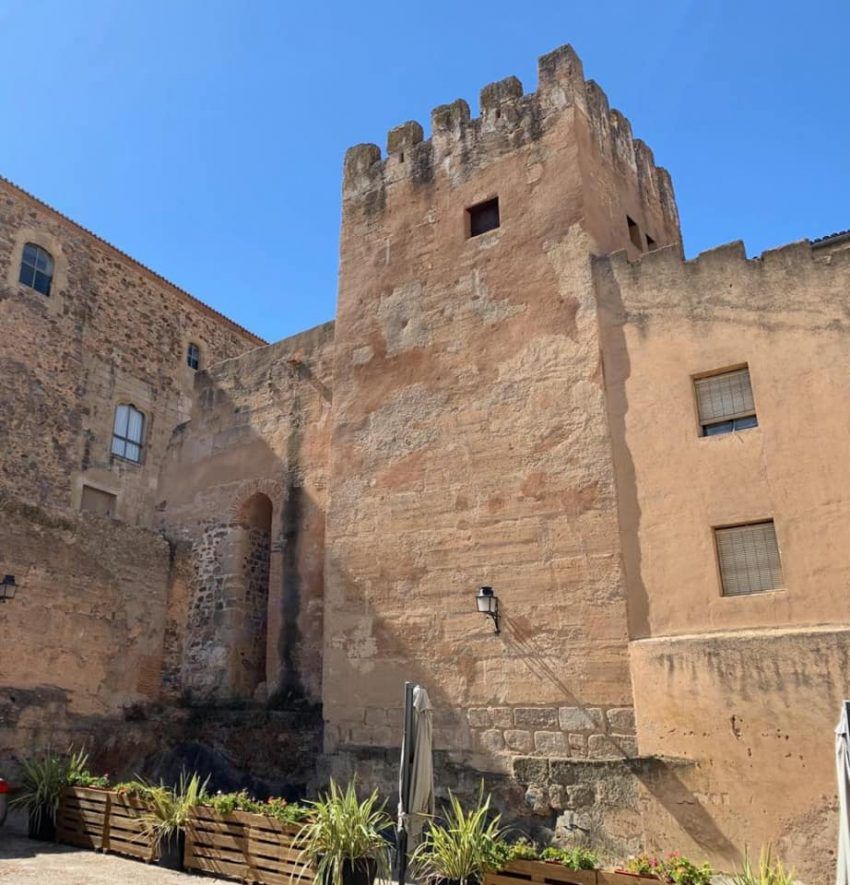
[97, 501]
[748, 557]
[725, 403]
[483, 217]
[634, 233]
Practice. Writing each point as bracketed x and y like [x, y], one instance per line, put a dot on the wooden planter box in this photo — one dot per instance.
[246, 846]
[81, 818]
[542, 873]
[103, 820]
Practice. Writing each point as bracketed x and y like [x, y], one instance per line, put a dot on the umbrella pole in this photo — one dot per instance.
[404, 798]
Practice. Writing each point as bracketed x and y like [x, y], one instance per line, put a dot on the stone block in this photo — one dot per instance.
[519, 740]
[563, 771]
[557, 797]
[537, 799]
[530, 770]
[578, 744]
[536, 717]
[621, 720]
[376, 716]
[617, 746]
[479, 717]
[551, 743]
[502, 717]
[580, 796]
[580, 719]
[492, 740]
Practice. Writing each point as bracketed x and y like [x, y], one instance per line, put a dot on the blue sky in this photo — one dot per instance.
[206, 137]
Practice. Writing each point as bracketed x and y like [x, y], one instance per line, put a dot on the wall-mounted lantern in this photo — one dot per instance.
[488, 604]
[7, 588]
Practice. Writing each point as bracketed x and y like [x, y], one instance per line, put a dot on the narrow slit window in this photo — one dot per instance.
[36, 268]
[650, 243]
[483, 217]
[128, 433]
[725, 402]
[193, 356]
[634, 233]
[748, 557]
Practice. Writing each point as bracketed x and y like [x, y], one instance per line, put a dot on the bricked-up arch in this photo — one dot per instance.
[249, 652]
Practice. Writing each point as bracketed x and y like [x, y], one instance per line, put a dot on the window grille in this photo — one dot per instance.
[725, 402]
[36, 268]
[748, 556]
[127, 433]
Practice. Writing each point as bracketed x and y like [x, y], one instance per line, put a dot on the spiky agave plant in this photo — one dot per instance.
[341, 828]
[44, 779]
[769, 871]
[462, 848]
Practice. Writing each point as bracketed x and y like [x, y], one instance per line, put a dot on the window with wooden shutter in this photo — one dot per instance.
[725, 402]
[748, 556]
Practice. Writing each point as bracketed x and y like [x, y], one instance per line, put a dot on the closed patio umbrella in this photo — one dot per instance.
[416, 778]
[842, 763]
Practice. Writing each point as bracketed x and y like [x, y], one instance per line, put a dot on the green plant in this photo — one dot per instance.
[339, 828]
[46, 776]
[135, 789]
[769, 871]
[673, 869]
[522, 849]
[275, 807]
[170, 806]
[463, 848]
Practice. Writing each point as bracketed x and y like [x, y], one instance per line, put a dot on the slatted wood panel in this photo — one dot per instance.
[82, 815]
[536, 871]
[124, 832]
[244, 846]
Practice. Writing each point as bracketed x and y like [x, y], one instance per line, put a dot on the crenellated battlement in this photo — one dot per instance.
[508, 119]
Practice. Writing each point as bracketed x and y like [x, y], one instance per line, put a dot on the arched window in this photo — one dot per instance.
[193, 356]
[36, 268]
[128, 433]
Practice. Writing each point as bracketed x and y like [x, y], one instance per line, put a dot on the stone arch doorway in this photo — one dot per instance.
[249, 662]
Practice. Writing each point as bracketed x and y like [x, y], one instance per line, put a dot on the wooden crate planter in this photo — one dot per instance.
[246, 846]
[540, 873]
[124, 832]
[103, 820]
[81, 817]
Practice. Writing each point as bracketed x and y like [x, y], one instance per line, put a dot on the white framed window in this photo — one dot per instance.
[748, 557]
[725, 402]
[36, 268]
[128, 433]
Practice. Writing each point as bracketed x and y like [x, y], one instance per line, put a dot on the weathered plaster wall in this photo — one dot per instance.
[469, 431]
[748, 688]
[260, 427]
[83, 636]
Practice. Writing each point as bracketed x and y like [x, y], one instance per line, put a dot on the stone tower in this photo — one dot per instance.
[470, 441]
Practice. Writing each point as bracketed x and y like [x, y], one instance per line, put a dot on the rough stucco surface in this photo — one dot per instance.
[738, 684]
[469, 437]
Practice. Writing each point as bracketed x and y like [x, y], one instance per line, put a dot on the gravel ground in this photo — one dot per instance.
[26, 862]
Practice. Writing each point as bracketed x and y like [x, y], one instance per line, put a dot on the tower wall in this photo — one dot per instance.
[469, 441]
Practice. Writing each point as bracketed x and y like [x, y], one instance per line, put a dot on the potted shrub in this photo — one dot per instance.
[461, 849]
[577, 858]
[165, 821]
[41, 787]
[343, 837]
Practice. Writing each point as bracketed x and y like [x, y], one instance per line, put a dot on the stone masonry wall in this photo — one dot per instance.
[110, 331]
[259, 427]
